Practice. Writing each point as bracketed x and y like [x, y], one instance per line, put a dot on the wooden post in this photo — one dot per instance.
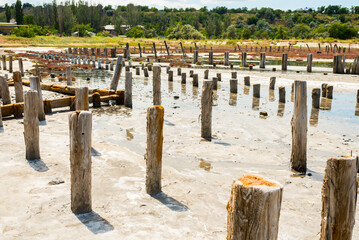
[156, 85]
[324, 89]
[219, 76]
[210, 57]
[80, 123]
[247, 81]
[19, 93]
[31, 125]
[272, 83]
[262, 60]
[154, 49]
[244, 59]
[206, 111]
[35, 85]
[116, 74]
[170, 76]
[10, 64]
[282, 94]
[3, 62]
[358, 96]
[179, 71]
[339, 198]
[206, 73]
[254, 209]
[195, 57]
[168, 51]
[195, 80]
[145, 72]
[82, 98]
[284, 61]
[299, 128]
[5, 94]
[215, 83]
[138, 71]
[234, 75]
[183, 78]
[128, 90]
[233, 83]
[96, 100]
[329, 93]
[21, 67]
[256, 90]
[309, 62]
[316, 98]
[68, 75]
[155, 116]
[226, 58]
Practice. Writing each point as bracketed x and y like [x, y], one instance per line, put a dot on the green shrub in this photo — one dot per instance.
[26, 32]
[135, 32]
[185, 32]
[103, 34]
[83, 30]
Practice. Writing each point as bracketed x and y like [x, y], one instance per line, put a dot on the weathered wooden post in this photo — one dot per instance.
[21, 67]
[324, 89]
[329, 93]
[358, 96]
[282, 94]
[10, 64]
[156, 85]
[116, 74]
[206, 111]
[138, 71]
[210, 57]
[206, 73]
[257, 90]
[226, 58]
[219, 76]
[82, 98]
[339, 198]
[179, 71]
[80, 123]
[19, 93]
[35, 85]
[254, 209]
[128, 89]
[155, 116]
[262, 60]
[272, 83]
[183, 78]
[215, 83]
[154, 49]
[195, 57]
[170, 76]
[3, 62]
[145, 72]
[195, 80]
[284, 61]
[316, 98]
[31, 125]
[234, 75]
[167, 49]
[299, 128]
[309, 62]
[5, 93]
[244, 59]
[247, 81]
[233, 83]
[68, 76]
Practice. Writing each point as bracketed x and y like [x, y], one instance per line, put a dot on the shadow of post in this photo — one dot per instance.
[170, 202]
[38, 165]
[95, 223]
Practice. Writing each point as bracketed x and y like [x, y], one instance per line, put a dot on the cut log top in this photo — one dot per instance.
[254, 181]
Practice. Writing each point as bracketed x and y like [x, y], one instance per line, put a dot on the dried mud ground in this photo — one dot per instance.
[197, 174]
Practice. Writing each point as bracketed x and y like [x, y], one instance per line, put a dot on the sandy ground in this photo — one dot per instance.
[197, 174]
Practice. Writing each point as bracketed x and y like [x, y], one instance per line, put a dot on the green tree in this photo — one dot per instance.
[19, 14]
[29, 19]
[54, 15]
[7, 13]
[231, 32]
[83, 30]
[185, 32]
[135, 32]
[342, 31]
[246, 33]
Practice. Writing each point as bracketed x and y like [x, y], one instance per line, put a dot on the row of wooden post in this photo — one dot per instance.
[10, 69]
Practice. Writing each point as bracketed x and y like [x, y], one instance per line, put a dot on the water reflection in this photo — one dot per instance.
[145, 81]
[183, 89]
[281, 107]
[314, 116]
[271, 95]
[255, 104]
[233, 99]
[246, 90]
[195, 92]
[170, 86]
[326, 104]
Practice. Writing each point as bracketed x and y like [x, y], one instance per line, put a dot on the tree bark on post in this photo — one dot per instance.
[339, 197]
[68, 75]
[35, 85]
[19, 93]
[31, 125]
[128, 90]
[5, 93]
[254, 209]
[82, 98]
[80, 123]
[206, 111]
[299, 128]
[156, 85]
[155, 116]
[116, 74]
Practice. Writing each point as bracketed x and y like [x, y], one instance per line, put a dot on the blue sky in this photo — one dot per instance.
[281, 4]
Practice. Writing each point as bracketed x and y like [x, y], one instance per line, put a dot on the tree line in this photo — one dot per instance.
[65, 18]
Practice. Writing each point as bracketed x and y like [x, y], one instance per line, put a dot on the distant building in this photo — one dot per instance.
[110, 29]
[8, 27]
